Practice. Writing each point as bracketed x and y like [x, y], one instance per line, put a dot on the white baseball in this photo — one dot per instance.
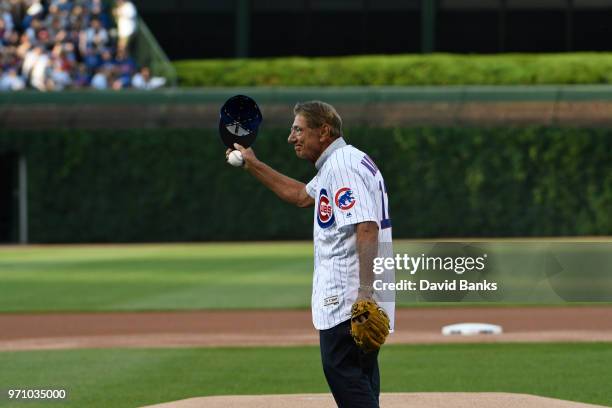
[235, 158]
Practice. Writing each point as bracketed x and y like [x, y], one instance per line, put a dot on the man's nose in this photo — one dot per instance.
[291, 139]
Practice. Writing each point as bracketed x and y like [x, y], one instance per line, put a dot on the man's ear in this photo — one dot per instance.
[325, 134]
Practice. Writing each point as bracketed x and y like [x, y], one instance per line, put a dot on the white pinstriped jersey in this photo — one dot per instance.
[348, 189]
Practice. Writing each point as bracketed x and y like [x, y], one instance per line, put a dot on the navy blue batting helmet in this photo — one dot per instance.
[239, 121]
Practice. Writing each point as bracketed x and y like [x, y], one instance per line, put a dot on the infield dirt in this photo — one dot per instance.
[390, 400]
[287, 328]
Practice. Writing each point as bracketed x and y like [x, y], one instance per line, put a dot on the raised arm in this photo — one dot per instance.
[286, 188]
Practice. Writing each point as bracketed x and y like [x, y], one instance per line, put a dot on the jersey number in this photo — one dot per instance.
[386, 219]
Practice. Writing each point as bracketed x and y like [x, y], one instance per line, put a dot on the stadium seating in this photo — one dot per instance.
[52, 45]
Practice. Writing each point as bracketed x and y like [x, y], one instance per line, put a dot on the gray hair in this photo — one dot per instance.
[319, 113]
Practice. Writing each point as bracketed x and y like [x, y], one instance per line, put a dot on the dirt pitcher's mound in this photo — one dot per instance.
[392, 400]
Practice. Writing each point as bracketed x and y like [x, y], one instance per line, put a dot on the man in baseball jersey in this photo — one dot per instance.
[351, 228]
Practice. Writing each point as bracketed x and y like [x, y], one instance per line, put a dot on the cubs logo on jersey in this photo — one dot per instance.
[344, 199]
[325, 213]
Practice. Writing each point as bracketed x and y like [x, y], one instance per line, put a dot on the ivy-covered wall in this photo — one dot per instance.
[173, 185]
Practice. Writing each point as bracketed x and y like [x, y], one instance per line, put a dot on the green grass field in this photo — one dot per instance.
[239, 275]
[155, 277]
[209, 276]
[128, 378]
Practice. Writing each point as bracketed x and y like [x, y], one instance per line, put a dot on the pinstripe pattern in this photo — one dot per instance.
[344, 173]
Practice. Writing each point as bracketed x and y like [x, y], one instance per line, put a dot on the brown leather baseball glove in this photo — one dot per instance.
[369, 325]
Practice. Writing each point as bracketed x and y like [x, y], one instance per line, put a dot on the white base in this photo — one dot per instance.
[471, 329]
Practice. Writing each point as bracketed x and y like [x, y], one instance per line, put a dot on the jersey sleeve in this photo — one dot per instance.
[354, 201]
[311, 187]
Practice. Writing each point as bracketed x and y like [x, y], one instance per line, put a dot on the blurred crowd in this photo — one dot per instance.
[51, 45]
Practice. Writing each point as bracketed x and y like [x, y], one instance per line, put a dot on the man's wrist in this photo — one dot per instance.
[366, 291]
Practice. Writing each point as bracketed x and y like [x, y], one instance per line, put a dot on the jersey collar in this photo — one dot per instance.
[338, 143]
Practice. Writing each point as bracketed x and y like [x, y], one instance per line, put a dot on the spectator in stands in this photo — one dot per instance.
[24, 46]
[97, 11]
[101, 79]
[4, 33]
[29, 61]
[6, 16]
[124, 70]
[94, 36]
[61, 5]
[33, 12]
[56, 21]
[127, 20]
[91, 60]
[80, 77]
[11, 81]
[11, 40]
[33, 28]
[8, 51]
[61, 61]
[6, 24]
[17, 8]
[39, 74]
[59, 78]
[106, 59]
[143, 80]
[77, 15]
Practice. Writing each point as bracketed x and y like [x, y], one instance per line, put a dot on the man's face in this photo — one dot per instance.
[308, 142]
